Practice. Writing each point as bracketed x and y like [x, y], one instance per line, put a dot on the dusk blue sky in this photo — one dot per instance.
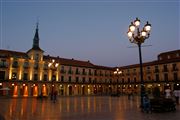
[89, 29]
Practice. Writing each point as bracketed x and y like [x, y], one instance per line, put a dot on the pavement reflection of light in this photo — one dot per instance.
[78, 108]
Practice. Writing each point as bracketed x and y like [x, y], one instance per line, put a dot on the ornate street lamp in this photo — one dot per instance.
[138, 37]
[53, 67]
[118, 73]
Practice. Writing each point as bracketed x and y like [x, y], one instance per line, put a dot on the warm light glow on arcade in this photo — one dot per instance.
[15, 91]
[25, 91]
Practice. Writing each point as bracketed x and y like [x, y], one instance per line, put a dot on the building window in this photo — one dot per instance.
[148, 70]
[35, 77]
[84, 72]
[36, 57]
[129, 80]
[110, 80]
[149, 78]
[45, 66]
[94, 81]
[2, 75]
[63, 70]
[135, 80]
[25, 77]
[26, 65]
[3, 63]
[122, 80]
[95, 72]
[15, 64]
[83, 80]
[177, 55]
[157, 77]
[70, 70]
[174, 67]
[90, 80]
[175, 76]
[62, 78]
[90, 72]
[53, 78]
[69, 78]
[156, 69]
[77, 79]
[168, 56]
[45, 77]
[36, 66]
[166, 77]
[165, 68]
[101, 73]
[77, 71]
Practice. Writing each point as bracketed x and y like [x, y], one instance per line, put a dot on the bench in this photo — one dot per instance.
[162, 104]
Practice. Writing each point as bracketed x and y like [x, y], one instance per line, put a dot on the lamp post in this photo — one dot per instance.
[53, 66]
[138, 37]
[117, 72]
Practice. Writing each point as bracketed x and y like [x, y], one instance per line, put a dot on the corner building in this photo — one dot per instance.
[31, 73]
[163, 73]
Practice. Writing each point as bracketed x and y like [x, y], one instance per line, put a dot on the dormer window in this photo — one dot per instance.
[168, 57]
[37, 57]
[177, 55]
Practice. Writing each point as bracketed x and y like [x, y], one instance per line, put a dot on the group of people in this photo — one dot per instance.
[175, 94]
[168, 94]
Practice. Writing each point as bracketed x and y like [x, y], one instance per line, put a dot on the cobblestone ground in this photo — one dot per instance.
[79, 108]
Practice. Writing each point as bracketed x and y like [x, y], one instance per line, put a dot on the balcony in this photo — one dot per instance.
[90, 73]
[77, 73]
[36, 67]
[45, 68]
[15, 65]
[84, 73]
[165, 70]
[95, 74]
[70, 72]
[156, 71]
[148, 72]
[101, 74]
[175, 69]
[63, 71]
[26, 67]
[134, 73]
[127, 74]
[3, 66]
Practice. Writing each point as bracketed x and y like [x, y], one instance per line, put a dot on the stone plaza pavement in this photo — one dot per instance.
[79, 108]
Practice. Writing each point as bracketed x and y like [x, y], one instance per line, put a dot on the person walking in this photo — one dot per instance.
[176, 95]
[146, 104]
[168, 93]
[54, 96]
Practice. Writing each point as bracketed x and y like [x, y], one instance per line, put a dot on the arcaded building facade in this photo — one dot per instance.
[163, 73]
[31, 73]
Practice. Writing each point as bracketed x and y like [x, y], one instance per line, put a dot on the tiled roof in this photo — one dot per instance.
[169, 52]
[157, 62]
[9, 53]
[70, 62]
[103, 67]
[73, 62]
[62, 61]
